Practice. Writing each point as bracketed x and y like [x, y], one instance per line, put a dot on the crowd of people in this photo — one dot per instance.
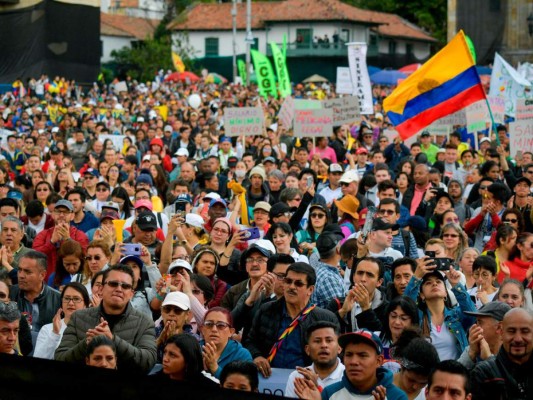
[365, 267]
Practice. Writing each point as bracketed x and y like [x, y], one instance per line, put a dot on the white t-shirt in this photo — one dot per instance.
[330, 195]
[334, 377]
[444, 342]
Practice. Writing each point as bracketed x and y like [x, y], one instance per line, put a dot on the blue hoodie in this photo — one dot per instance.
[344, 390]
[232, 352]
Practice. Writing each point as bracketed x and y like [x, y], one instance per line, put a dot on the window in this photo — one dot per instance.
[211, 47]
[392, 47]
[255, 44]
[409, 49]
[303, 37]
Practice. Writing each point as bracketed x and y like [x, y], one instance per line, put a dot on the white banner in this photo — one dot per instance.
[521, 136]
[507, 83]
[118, 140]
[524, 109]
[344, 81]
[360, 78]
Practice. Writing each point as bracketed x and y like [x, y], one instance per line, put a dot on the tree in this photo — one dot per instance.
[430, 15]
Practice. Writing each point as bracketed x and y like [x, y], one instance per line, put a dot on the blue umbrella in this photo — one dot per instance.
[483, 70]
[372, 70]
[387, 77]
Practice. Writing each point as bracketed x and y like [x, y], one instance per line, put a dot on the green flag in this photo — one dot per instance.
[241, 65]
[285, 46]
[265, 75]
[281, 69]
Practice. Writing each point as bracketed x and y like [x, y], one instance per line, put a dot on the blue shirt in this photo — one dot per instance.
[329, 284]
[88, 222]
[289, 355]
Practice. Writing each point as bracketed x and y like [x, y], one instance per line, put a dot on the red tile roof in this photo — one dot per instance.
[122, 25]
[216, 16]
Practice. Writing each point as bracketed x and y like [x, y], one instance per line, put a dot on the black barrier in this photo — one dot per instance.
[28, 378]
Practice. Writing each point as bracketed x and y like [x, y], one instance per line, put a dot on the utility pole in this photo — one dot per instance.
[234, 21]
[249, 38]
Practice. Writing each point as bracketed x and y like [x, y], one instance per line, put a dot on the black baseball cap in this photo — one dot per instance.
[380, 224]
[523, 179]
[146, 220]
[279, 208]
[326, 242]
[335, 229]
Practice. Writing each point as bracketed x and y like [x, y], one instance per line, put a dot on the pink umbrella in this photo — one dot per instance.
[182, 76]
[409, 69]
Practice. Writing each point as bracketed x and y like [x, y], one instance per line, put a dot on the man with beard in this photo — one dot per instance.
[508, 375]
[323, 349]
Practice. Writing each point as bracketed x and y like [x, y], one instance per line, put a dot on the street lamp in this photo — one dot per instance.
[530, 24]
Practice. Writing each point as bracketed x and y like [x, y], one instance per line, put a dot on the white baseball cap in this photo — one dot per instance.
[178, 299]
[179, 264]
[194, 220]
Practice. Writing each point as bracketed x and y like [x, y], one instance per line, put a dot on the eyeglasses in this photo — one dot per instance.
[220, 231]
[220, 325]
[57, 212]
[345, 184]
[280, 277]
[317, 215]
[255, 261]
[450, 235]
[43, 190]
[102, 190]
[90, 177]
[510, 221]
[484, 275]
[167, 309]
[452, 220]
[116, 284]
[95, 258]
[75, 300]
[286, 214]
[387, 212]
[298, 283]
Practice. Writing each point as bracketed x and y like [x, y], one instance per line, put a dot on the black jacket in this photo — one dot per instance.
[266, 326]
[500, 379]
[48, 302]
[370, 319]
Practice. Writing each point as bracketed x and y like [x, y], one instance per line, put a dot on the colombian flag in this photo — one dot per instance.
[447, 83]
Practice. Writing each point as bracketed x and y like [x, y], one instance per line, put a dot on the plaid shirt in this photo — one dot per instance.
[329, 284]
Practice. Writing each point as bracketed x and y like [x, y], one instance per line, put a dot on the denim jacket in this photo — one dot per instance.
[455, 319]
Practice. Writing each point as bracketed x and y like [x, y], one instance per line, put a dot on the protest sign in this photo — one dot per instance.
[524, 109]
[276, 383]
[118, 140]
[497, 106]
[120, 87]
[344, 81]
[243, 121]
[359, 74]
[313, 123]
[304, 104]
[345, 109]
[521, 136]
[286, 112]
[477, 116]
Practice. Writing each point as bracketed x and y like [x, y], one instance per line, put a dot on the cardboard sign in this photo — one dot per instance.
[286, 112]
[477, 116]
[344, 81]
[276, 383]
[345, 109]
[497, 106]
[118, 140]
[524, 109]
[521, 136]
[306, 104]
[246, 121]
[313, 123]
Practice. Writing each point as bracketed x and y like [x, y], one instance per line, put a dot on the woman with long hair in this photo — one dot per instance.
[505, 239]
[520, 264]
[406, 167]
[219, 348]
[444, 324]
[512, 293]
[205, 262]
[466, 262]
[113, 177]
[74, 297]
[455, 240]
[120, 196]
[511, 217]
[160, 181]
[318, 218]
[224, 240]
[103, 167]
[63, 181]
[282, 238]
[97, 258]
[401, 314]
[42, 190]
[403, 182]
[101, 353]
[69, 263]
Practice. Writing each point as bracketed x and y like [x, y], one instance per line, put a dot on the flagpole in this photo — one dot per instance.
[493, 123]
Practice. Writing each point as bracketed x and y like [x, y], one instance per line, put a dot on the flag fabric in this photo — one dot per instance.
[265, 75]
[447, 83]
[359, 74]
[178, 62]
[280, 62]
[242, 70]
[507, 83]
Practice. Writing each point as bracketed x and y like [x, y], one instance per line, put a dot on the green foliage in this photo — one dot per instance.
[430, 15]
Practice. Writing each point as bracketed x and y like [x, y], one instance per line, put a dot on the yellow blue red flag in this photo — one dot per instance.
[447, 83]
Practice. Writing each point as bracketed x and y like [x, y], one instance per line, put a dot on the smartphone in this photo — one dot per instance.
[179, 208]
[132, 249]
[518, 155]
[444, 264]
[251, 233]
[310, 181]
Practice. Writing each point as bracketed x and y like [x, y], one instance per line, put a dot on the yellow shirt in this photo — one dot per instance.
[157, 204]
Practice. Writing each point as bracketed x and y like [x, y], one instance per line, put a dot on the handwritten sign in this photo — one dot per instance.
[497, 106]
[521, 136]
[524, 109]
[313, 123]
[477, 116]
[286, 112]
[276, 382]
[118, 140]
[307, 104]
[345, 109]
[344, 81]
[246, 121]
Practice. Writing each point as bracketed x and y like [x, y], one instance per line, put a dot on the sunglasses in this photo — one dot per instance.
[95, 258]
[167, 309]
[298, 283]
[286, 214]
[387, 212]
[220, 325]
[510, 221]
[318, 215]
[450, 235]
[116, 284]
[102, 190]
